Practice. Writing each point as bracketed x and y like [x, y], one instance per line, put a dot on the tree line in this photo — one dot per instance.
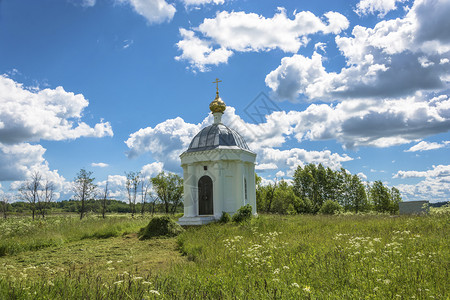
[317, 189]
[161, 193]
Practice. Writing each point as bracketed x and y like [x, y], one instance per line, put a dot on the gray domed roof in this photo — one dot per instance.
[215, 136]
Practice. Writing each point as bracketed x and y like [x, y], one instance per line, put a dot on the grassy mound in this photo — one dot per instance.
[160, 226]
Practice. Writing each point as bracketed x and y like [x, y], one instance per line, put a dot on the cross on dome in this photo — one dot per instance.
[217, 105]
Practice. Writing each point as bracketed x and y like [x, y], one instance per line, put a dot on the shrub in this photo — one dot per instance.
[330, 207]
[224, 218]
[243, 214]
[160, 226]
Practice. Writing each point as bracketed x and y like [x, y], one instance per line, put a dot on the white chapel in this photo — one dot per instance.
[218, 171]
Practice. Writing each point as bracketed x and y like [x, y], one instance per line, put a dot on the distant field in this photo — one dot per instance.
[290, 257]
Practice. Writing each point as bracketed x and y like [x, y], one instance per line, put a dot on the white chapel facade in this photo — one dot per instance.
[218, 171]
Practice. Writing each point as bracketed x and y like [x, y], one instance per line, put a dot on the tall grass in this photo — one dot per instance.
[282, 257]
[23, 234]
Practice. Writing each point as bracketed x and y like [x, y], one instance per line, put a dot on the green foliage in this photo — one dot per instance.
[224, 218]
[169, 188]
[84, 188]
[22, 234]
[243, 214]
[273, 257]
[330, 207]
[163, 226]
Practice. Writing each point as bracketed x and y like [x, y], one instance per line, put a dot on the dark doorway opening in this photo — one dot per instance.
[205, 196]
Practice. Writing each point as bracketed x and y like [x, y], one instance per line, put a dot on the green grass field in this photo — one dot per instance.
[287, 257]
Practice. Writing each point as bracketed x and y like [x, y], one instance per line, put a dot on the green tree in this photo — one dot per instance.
[380, 197]
[169, 188]
[132, 184]
[285, 201]
[30, 191]
[395, 200]
[84, 188]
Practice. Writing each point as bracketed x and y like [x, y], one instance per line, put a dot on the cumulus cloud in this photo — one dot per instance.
[29, 115]
[426, 146]
[151, 170]
[395, 58]
[434, 186]
[167, 140]
[290, 159]
[49, 114]
[196, 3]
[231, 32]
[200, 53]
[100, 165]
[155, 11]
[442, 171]
[382, 7]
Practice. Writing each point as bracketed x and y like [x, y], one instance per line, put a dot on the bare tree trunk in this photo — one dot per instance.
[105, 198]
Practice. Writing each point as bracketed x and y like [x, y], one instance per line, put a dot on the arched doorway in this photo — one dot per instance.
[205, 196]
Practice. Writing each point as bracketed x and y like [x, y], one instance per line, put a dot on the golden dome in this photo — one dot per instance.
[217, 105]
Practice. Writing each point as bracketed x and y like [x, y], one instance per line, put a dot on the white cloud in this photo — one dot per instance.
[435, 185]
[100, 165]
[244, 32]
[425, 146]
[165, 141]
[437, 171]
[270, 166]
[17, 161]
[290, 159]
[50, 114]
[30, 115]
[362, 176]
[88, 3]
[202, 2]
[155, 11]
[395, 58]
[151, 170]
[200, 53]
[366, 7]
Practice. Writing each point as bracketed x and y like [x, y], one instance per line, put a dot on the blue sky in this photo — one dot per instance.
[114, 86]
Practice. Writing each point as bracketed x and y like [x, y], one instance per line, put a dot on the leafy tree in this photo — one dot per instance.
[395, 200]
[30, 191]
[330, 207]
[84, 188]
[132, 185]
[380, 197]
[169, 188]
[285, 201]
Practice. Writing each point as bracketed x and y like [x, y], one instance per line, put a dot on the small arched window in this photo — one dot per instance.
[245, 189]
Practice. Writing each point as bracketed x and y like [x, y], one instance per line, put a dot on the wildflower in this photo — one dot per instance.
[138, 278]
[375, 289]
[386, 281]
[118, 282]
[276, 271]
[295, 284]
[110, 269]
[146, 282]
[154, 292]
[50, 283]
[109, 262]
[307, 289]
[286, 267]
